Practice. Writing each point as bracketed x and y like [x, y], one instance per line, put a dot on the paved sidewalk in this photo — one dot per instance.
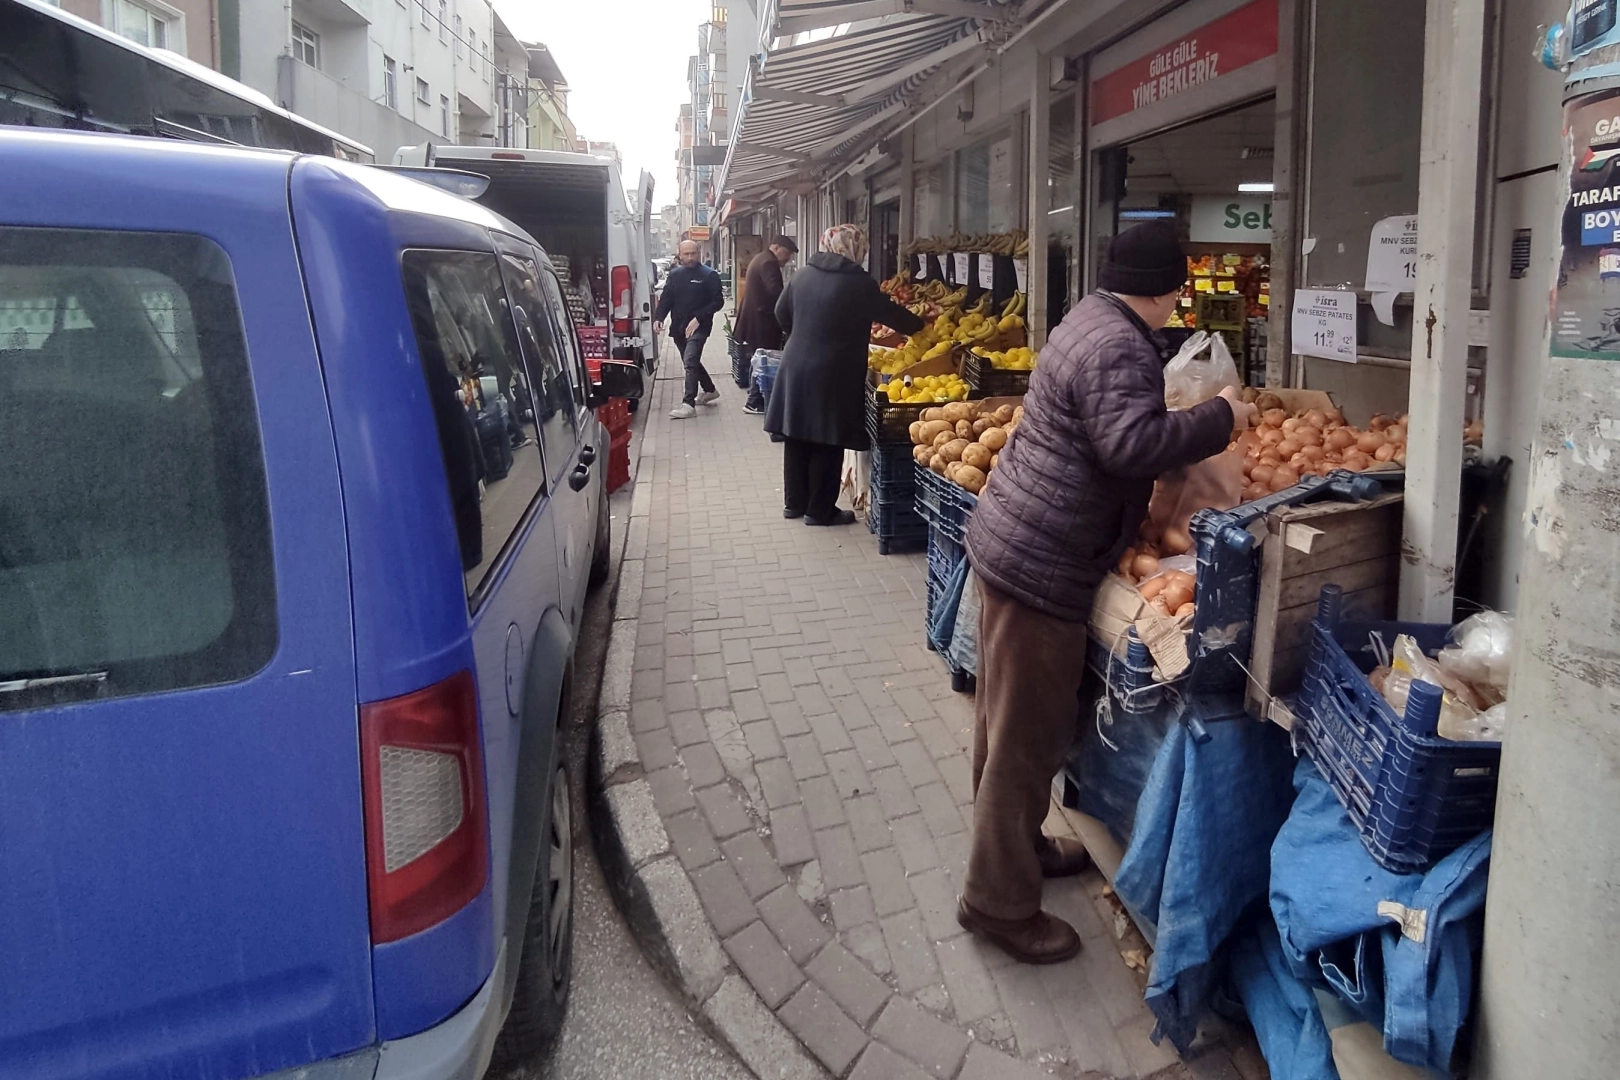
[810, 764]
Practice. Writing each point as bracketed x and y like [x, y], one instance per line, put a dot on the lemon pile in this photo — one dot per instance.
[925, 389]
[1020, 359]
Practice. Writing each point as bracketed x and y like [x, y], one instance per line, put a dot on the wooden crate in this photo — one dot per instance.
[1356, 546]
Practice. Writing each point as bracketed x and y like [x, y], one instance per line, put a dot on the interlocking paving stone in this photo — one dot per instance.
[725, 812]
[866, 820]
[754, 864]
[764, 963]
[723, 897]
[915, 843]
[852, 907]
[973, 992]
[805, 757]
[791, 836]
[880, 1063]
[777, 783]
[822, 802]
[793, 923]
[703, 766]
[886, 877]
[823, 1027]
[914, 964]
[692, 840]
[671, 791]
[840, 862]
[935, 1045]
[851, 983]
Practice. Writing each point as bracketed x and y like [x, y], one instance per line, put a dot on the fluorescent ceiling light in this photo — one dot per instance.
[1146, 215]
[1060, 210]
[1266, 187]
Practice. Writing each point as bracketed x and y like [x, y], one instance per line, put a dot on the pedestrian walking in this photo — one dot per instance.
[818, 404]
[1069, 493]
[691, 296]
[757, 327]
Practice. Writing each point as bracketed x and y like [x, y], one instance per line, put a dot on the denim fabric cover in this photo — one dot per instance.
[1199, 855]
[1325, 894]
[963, 653]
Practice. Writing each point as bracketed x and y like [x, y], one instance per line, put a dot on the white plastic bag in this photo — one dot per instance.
[1460, 707]
[1480, 654]
[855, 481]
[1199, 371]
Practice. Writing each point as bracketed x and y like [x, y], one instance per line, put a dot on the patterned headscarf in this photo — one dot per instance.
[846, 240]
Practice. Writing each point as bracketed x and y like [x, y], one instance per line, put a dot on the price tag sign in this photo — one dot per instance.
[1392, 253]
[922, 268]
[987, 271]
[1021, 269]
[960, 259]
[1324, 324]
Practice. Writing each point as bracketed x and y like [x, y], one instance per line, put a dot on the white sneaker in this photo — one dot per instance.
[708, 397]
[683, 411]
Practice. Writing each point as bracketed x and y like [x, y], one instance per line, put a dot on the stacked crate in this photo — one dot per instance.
[616, 416]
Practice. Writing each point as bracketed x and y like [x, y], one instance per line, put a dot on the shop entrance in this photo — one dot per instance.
[1211, 179]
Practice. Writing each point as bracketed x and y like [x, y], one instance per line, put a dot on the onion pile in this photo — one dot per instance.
[1284, 447]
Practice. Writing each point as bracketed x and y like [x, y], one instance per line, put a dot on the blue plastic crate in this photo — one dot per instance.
[897, 527]
[764, 367]
[1228, 575]
[947, 506]
[944, 552]
[1129, 678]
[894, 466]
[1414, 796]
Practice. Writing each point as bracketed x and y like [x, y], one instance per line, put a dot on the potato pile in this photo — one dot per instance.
[1312, 442]
[962, 441]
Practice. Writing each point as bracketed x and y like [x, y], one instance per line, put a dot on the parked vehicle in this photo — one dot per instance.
[575, 205]
[289, 591]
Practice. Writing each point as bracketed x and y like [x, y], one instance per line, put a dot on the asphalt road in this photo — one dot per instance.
[624, 1021]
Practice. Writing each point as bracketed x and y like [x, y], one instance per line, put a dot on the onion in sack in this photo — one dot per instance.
[1316, 418]
[1152, 587]
[1144, 565]
[1185, 609]
[1177, 541]
[1256, 491]
[1369, 441]
[1123, 568]
[1175, 594]
[1341, 439]
[1284, 478]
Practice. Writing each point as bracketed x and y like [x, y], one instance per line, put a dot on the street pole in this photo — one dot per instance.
[1550, 979]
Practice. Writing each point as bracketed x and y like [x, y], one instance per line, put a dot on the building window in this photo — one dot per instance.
[390, 83]
[719, 18]
[459, 42]
[146, 26]
[444, 21]
[422, 9]
[489, 65]
[718, 101]
[472, 49]
[306, 45]
[424, 96]
[444, 116]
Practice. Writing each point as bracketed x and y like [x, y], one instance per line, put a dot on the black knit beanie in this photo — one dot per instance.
[1144, 261]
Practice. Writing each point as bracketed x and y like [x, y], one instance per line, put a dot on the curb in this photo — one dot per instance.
[655, 893]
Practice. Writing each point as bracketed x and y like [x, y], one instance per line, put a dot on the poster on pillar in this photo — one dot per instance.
[1586, 299]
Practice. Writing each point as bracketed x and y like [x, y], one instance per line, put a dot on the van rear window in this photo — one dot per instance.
[135, 550]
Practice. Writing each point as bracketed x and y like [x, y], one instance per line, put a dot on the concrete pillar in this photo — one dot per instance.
[1448, 177]
[1550, 980]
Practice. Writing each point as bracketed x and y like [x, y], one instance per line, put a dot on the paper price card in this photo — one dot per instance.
[1392, 255]
[922, 268]
[987, 272]
[1021, 269]
[1324, 324]
[960, 259]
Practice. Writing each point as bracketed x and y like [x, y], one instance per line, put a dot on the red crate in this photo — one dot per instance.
[618, 462]
[615, 416]
[593, 341]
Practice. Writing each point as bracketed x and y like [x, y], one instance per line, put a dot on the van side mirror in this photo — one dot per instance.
[619, 380]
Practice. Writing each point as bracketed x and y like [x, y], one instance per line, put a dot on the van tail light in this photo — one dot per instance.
[619, 290]
[427, 837]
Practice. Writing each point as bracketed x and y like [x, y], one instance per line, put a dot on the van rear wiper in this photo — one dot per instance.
[17, 686]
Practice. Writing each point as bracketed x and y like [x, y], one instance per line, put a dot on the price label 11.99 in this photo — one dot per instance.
[1324, 324]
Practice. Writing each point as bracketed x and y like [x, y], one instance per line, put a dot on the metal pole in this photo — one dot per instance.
[1550, 979]
[1040, 150]
[1453, 49]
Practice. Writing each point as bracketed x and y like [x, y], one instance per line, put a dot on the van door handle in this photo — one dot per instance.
[587, 456]
[579, 478]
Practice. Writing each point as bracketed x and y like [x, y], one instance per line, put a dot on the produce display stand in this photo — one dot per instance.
[987, 381]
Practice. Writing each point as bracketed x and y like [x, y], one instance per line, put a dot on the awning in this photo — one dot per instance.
[808, 106]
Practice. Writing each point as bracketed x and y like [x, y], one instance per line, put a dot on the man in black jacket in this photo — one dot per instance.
[690, 298]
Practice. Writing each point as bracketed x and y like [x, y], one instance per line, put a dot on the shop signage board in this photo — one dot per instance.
[1188, 63]
[1592, 24]
[1324, 324]
[1241, 219]
[1586, 302]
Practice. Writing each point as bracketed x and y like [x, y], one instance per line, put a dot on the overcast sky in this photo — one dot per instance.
[625, 62]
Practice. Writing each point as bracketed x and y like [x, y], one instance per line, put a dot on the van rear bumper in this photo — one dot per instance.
[457, 1049]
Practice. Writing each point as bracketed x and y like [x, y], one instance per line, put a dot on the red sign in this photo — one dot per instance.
[1233, 41]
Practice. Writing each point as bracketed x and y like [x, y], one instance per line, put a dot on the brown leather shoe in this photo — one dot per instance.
[1062, 856]
[1039, 939]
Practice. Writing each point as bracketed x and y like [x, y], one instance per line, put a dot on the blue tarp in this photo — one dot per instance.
[1399, 948]
[1199, 855]
[1282, 1009]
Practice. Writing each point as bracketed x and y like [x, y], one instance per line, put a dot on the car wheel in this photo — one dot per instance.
[540, 999]
[602, 557]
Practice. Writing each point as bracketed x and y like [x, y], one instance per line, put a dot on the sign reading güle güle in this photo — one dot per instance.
[1233, 41]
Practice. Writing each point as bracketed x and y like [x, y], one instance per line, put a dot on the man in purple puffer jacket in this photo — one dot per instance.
[1067, 496]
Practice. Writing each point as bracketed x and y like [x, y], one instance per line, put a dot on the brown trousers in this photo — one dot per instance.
[1028, 702]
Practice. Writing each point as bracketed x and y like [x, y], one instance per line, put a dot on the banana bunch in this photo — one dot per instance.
[1016, 306]
[976, 328]
[1015, 243]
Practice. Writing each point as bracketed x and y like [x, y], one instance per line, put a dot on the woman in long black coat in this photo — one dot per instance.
[818, 404]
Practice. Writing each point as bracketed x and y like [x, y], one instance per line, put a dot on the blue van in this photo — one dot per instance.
[302, 493]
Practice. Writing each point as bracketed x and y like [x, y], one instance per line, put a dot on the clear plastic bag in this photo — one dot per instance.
[1199, 371]
[1459, 706]
[1480, 654]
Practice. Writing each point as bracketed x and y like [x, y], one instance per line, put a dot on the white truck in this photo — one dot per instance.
[576, 205]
